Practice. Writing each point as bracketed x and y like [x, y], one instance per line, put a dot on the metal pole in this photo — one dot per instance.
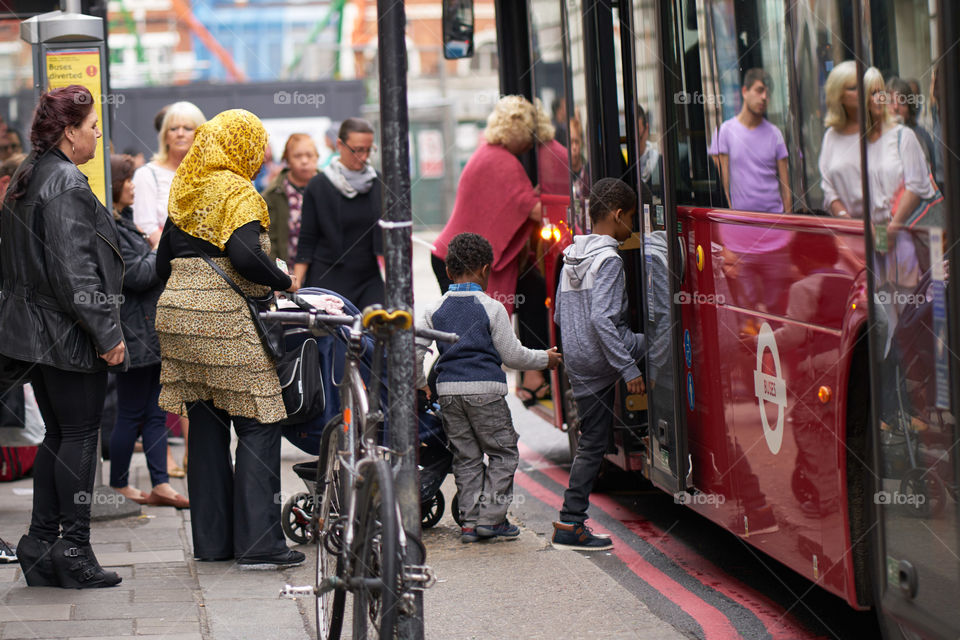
[397, 224]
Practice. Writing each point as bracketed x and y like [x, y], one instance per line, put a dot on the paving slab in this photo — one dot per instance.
[166, 626]
[176, 611]
[140, 557]
[65, 629]
[24, 612]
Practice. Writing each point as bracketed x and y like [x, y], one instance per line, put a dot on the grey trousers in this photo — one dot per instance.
[478, 425]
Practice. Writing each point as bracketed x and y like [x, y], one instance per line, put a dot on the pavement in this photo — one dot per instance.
[522, 588]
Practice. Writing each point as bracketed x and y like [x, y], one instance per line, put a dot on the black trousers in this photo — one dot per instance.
[71, 404]
[596, 426]
[440, 271]
[235, 510]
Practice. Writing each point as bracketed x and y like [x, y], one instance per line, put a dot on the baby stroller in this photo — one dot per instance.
[436, 460]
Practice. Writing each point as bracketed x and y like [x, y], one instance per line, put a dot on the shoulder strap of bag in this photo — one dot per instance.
[215, 266]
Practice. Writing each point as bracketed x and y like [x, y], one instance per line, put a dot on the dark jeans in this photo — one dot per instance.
[138, 391]
[596, 426]
[71, 404]
[235, 510]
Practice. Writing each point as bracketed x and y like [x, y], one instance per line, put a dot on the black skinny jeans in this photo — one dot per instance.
[235, 510]
[71, 404]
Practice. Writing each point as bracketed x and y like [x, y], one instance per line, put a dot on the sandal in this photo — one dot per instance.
[534, 396]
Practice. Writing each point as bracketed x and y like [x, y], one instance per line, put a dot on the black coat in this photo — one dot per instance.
[141, 290]
[61, 271]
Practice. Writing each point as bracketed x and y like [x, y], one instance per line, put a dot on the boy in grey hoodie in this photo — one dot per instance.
[599, 347]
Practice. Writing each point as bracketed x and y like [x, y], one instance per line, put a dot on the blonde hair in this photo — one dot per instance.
[840, 76]
[873, 80]
[545, 129]
[177, 111]
[512, 121]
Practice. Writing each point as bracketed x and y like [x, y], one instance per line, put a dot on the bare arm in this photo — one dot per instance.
[783, 169]
[724, 160]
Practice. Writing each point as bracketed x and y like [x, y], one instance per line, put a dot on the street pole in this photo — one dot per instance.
[397, 224]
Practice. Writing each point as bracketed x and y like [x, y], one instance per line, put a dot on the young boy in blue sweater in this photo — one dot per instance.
[471, 386]
[599, 347]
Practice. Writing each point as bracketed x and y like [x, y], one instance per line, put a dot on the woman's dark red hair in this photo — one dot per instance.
[56, 110]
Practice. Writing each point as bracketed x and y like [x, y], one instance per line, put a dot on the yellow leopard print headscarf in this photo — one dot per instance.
[212, 194]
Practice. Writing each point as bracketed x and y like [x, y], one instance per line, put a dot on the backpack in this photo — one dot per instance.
[16, 462]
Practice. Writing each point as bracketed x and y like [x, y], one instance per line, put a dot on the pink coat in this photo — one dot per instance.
[494, 199]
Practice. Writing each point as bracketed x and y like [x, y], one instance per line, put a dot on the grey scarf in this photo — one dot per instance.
[349, 182]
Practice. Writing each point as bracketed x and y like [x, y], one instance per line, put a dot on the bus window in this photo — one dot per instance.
[918, 434]
[576, 115]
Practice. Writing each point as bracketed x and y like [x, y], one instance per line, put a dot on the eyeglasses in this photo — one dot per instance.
[4, 148]
[366, 151]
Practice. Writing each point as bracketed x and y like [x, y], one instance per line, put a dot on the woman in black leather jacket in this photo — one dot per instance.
[61, 274]
[138, 389]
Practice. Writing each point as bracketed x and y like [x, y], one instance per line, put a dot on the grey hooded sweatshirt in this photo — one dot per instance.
[598, 345]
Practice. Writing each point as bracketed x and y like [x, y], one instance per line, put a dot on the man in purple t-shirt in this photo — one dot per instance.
[752, 157]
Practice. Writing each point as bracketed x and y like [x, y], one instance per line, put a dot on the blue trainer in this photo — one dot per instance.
[577, 536]
[502, 530]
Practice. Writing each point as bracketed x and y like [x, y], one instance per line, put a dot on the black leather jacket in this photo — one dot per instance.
[141, 290]
[61, 271]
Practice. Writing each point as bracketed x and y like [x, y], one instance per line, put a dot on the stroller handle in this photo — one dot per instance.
[315, 321]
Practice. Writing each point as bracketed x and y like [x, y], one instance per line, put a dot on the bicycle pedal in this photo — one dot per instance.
[292, 592]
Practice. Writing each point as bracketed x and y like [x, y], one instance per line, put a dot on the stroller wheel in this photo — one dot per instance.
[295, 519]
[455, 510]
[432, 510]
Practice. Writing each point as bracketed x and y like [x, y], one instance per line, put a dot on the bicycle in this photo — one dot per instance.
[356, 522]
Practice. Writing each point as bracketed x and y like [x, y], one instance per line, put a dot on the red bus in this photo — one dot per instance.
[800, 356]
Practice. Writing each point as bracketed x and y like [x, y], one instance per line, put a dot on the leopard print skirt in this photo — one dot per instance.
[209, 347]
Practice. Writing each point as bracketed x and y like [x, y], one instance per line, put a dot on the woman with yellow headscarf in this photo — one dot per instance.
[214, 367]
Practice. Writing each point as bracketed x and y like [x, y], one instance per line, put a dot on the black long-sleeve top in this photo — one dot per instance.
[243, 249]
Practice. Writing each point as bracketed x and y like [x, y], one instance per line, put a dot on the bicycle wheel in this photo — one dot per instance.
[328, 498]
[375, 555]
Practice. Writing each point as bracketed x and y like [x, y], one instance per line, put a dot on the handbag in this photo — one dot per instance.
[270, 332]
[298, 369]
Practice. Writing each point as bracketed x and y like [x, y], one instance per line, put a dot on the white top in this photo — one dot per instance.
[840, 171]
[895, 161]
[151, 184]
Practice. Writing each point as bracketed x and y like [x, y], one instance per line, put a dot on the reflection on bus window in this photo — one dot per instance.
[751, 152]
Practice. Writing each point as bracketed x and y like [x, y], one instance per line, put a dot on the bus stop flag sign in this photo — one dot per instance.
[82, 66]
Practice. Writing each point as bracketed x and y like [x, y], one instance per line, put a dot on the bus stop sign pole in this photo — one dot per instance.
[397, 223]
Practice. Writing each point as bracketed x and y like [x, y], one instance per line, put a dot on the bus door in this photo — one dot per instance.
[912, 190]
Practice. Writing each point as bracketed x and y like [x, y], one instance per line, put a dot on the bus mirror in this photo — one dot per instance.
[457, 29]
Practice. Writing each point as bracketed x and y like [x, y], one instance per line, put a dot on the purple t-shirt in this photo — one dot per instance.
[754, 183]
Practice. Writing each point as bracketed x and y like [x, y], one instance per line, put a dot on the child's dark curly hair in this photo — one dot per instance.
[468, 253]
[608, 195]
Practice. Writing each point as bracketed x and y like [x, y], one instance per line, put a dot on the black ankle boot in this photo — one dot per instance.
[77, 567]
[36, 562]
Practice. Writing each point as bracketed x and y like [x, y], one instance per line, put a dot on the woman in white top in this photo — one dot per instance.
[840, 151]
[152, 181]
[151, 184]
[897, 170]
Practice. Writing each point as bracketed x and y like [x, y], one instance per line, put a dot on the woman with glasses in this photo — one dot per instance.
[339, 233]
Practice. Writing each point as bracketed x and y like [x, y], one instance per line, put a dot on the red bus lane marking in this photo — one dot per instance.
[715, 625]
[770, 613]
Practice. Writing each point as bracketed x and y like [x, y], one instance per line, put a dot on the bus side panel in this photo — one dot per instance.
[767, 431]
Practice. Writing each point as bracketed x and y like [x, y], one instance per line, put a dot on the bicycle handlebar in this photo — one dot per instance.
[314, 320]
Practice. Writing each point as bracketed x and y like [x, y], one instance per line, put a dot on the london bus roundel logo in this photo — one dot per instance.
[770, 388]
